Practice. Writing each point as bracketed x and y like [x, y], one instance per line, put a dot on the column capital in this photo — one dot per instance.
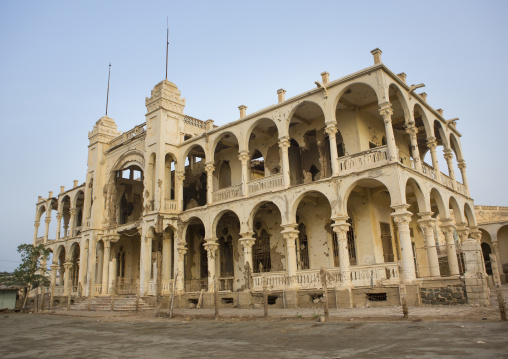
[180, 176]
[461, 164]
[463, 233]
[68, 265]
[448, 154]
[401, 215]
[385, 110]
[54, 267]
[284, 142]
[426, 219]
[247, 242]
[209, 168]
[411, 129]
[59, 216]
[47, 220]
[244, 156]
[331, 129]
[340, 225]
[432, 143]
[37, 223]
[476, 234]
[182, 249]
[72, 211]
[495, 245]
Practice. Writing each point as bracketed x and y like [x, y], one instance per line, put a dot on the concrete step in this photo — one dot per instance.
[123, 303]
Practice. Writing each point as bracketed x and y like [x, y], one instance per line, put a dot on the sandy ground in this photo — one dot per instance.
[430, 332]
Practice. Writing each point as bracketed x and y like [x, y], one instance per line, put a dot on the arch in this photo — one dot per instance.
[399, 92]
[256, 207]
[414, 184]
[224, 175]
[58, 255]
[170, 164]
[469, 214]
[455, 146]
[298, 200]
[190, 221]
[440, 134]
[486, 251]
[219, 215]
[504, 228]
[222, 136]
[379, 95]
[128, 159]
[454, 205]
[299, 106]
[365, 182]
[262, 122]
[197, 150]
[438, 199]
[418, 110]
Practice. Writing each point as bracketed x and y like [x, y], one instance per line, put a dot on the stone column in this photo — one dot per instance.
[59, 217]
[67, 278]
[145, 267]
[112, 276]
[462, 167]
[211, 246]
[290, 234]
[402, 217]
[166, 257]
[331, 130]
[105, 266]
[245, 159]
[209, 168]
[180, 177]
[47, 220]
[427, 224]
[411, 130]
[92, 256]
[36, 229]
[247, 241]
[284, 148]
[462, 231]
[83, 267]
[448, 229]
[72, 214]
[448, 155]
[180, 282]
[495, 249]
[340, 228]
[54, 269]
[432, 144]
[386, 111]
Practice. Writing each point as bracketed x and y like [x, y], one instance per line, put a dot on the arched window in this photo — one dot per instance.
[261, 252]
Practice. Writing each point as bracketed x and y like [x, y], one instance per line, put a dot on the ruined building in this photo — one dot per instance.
[334, 177]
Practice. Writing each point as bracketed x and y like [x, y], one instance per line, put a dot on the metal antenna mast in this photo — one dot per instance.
[167, 45]
[107, 97]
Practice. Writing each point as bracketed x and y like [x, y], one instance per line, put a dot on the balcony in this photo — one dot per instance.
[360, 276]
[364, 160]
[227, 194]
[446, 181]
[266, 184]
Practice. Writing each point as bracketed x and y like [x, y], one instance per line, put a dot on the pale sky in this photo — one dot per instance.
[54, 58]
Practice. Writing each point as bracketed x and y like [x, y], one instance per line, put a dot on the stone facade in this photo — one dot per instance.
[334, 177]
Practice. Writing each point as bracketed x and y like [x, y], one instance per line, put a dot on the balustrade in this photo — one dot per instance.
[228, 193]
[364, 160]
[195, 285]
[98, 289]
[194, 122]
[170, 205]
[265, 184]
[138, 130]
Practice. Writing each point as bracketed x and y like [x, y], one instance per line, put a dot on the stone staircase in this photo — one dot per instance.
[121, 303]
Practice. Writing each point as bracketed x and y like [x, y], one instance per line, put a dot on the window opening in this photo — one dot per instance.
[386, 240]
[303, 247]
[261, 253]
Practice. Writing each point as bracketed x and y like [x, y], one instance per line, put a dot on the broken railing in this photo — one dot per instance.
[266, 184]
[364, 160]
[136, 131]
[445, 180]
[195, 285]
[360, 276]
[227, 194]
[170, 205]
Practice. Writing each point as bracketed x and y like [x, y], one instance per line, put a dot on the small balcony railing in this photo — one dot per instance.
[266, 184]
[170, 206]
[227, 194]
[364, 160]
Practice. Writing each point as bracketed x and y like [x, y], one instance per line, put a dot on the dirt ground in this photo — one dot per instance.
[57, 336]
[431, 331]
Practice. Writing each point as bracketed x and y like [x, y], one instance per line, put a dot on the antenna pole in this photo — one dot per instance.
[107, 97]
[167, 45]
